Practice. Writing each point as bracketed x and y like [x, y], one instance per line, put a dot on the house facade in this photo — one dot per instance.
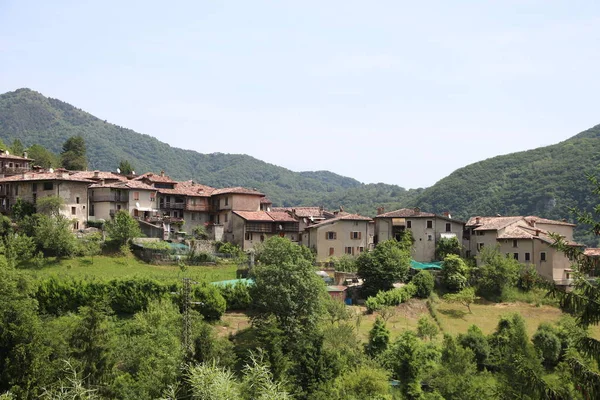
[33, 186]
[426, 228]
[252, 227]
[137, 198]
[11, 164]
[227, 200]
[345, 234]
[526, 239]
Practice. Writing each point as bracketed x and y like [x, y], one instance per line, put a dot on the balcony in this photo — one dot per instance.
[199, 207]
[172, 206]
[109, 197]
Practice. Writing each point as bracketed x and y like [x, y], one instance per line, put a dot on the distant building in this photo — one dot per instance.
[252, 227]
[345, 234]
[12, 164]
[426, 228]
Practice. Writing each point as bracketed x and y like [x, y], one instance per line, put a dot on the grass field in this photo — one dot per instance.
[106, 268]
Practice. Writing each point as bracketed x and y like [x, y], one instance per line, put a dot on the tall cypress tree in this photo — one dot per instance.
[73, 156]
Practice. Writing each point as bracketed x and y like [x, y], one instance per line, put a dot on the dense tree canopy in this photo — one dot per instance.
[73, 155]
[389, 262]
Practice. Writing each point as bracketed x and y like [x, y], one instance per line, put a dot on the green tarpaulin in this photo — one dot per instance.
[432, 265]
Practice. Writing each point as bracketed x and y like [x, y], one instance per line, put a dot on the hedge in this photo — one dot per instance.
[392, 297]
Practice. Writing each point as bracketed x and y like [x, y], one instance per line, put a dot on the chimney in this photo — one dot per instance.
[25, 154]
[537, 232]
[477, 220]
[102, 182]
[417, 210]
[162, 173]
[96, 174]
[380, 210]
[447, 214]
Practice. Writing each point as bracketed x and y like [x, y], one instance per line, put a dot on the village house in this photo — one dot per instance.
[251, 227]
[526, 239]
[227, 200]
[33, 186]
[344, 234]
[12, 164]
[426, 228]
[305, 216]
[135, 197]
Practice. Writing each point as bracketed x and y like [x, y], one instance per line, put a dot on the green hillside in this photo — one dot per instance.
[34, 118]
[546, 181]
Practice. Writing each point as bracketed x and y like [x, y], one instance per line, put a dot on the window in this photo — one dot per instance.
[136, 196]
[515, 243]
[480, 246]
[16, 190]
[479, 233]
[76, 225]
[152, 196]
[331, 251]
[77, 200]
[348, 250]
[355, 235]
[429, 224]
[430, 237]
[226, 201]
[527, 257]
[193, 216]
[73, 210]
[468, 254]
[226, 217]
[248, 235]
[34, 187]
[48, 186]
[361, 249]
[409, 224]
[448, 227]
[92, 211]
[330, 235]
[543, 256]
[516, 256]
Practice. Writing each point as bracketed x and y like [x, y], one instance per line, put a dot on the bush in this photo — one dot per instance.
[496, 274]
[392, 297]
[454, 273]
[528, 278]
[447, 246]
[547, 344]
[236, 296]
[424, 282]
[212, 304]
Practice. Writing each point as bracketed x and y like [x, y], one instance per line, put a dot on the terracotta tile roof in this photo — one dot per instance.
[345, 217]
[406, 212]
[303, 212]
[279, 216]
[189, 188]
[547, 221]
[592, 252]
[97, 175]
[491, 223]
[152, 177]
[265, 200]
[124, 185]
[261, 216]
[526, 232]
[45, 176]
[236, 190]
[13, 157]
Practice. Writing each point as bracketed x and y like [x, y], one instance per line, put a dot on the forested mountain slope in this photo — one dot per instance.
[33, 118]
[546, 181]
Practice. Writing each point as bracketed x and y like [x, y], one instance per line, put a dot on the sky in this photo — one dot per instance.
[401, 92]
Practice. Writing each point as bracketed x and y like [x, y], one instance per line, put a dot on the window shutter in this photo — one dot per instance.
[360, 235]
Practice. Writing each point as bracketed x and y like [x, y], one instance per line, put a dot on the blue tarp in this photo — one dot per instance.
[420, 266]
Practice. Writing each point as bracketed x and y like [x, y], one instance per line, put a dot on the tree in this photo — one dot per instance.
[52, 234]
[379, 338]
[17, 148]
[359, 383]
[50, 205]
[42, 156]
[475, 340]
[125, 167]
[21, 209]
[547, 344]
[277, 250]
[426, 328]
[73, 156]
[447, 246]
[454, 273]
[424, 283]
[496, 273]
[466, 297]
[123, 227]
[286, 287]
[388, 263]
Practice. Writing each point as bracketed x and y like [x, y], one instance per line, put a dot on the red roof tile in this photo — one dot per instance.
[406, 212]
[14, 157]
[254, 216]
[189, 188]
[547, 221]
[124, 185]
[44, 176]
[152, 177]
[592, 252]
[345, 217]
[279, 216]
[491, 223]
[97, 175]
[236, 190]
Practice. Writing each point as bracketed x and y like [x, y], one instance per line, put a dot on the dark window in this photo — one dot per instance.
[331, 251]
[73, 210]
[355, 235]
[34, 187]
[91, 210]
[409, 224]
[348, 250]
[543, 256]
[516, 256]
[331, 235]
[77, 200]
[226, 201]
[515, 243]
[430, 237]
[429, 224]
[527, 257]
[468, 254]
[448, 227]
[226, 217]
[48, 186]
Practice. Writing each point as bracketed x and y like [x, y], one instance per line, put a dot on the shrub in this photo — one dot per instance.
[423, 282]
[454, 273]
[212, 304]
[392, 297]
[236, 296]
[447, 246]
[547, 344]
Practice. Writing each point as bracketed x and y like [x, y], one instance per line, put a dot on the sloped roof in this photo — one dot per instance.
[13, 157]
[261, 216]
[302, 212]
[189, 188]
[45, 176]
[539, 220]
[492, 223]
[124, 185]
[265, 200]
[96, 175]
[526, 232]
[152, 177]
[405, 212]
[279, 216]
[237, 190]
[345, 217]
[592, 252]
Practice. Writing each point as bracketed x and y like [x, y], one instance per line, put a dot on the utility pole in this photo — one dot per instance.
[186, 334]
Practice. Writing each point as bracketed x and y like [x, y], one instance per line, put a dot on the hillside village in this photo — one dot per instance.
[168, 209]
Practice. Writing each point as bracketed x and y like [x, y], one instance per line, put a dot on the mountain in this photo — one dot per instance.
[35, 119]
[546, 181]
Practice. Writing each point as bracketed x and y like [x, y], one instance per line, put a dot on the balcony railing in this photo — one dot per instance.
[199, 207]
[172, 206]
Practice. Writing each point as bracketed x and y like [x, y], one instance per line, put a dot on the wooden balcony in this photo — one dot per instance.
[172, 206]
[199, 207]
[109, 198]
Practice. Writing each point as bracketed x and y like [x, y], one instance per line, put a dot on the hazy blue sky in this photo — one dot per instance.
[382, 91]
